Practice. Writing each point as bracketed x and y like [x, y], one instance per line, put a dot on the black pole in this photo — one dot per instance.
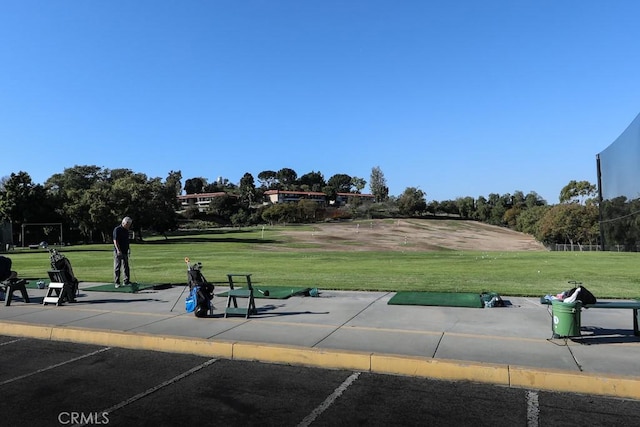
[599, 174]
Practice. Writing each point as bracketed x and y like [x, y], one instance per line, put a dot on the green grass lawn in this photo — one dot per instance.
[161, 261]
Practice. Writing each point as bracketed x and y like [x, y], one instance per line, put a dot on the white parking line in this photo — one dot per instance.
[153, 389]
[329, 400]
[12, 341]
[533, 409]
[53, 366]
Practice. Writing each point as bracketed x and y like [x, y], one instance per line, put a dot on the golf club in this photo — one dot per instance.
[186, 260]
[265, 293]
[134, 285]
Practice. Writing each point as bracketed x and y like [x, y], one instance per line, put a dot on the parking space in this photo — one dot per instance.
[46, 383]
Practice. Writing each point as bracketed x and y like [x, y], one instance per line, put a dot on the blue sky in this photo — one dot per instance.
[456, 98]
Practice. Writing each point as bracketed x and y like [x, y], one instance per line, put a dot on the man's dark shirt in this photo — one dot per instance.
[121, 235]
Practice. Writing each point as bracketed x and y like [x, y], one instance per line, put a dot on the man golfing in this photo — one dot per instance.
[121, 251]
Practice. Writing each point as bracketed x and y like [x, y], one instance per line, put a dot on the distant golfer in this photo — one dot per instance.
[121, 251]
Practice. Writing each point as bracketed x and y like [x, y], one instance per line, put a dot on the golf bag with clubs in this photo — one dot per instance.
[63, 272]
[200, 291]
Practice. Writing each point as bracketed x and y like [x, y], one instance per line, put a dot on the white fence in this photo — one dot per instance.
[576, 247]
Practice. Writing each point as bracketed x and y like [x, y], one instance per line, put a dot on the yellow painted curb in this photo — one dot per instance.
[323, 358]
[166, 343]
[14, 329]
[576, 382]
[136, 341]
[440, 368]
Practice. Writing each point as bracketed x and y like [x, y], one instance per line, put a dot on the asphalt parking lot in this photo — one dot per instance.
[45, 383]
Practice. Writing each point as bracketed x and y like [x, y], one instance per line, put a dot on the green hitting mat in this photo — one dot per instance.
[37, 283]
[446, 299]
[110, 287]
[273, 292]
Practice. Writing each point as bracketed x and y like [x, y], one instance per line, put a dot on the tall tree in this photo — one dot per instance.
[23, 201]
[483, 209]
[194, 185]
[528, 221]
[133, 196]
[287, 178]
[247, 189]
[165, 203]
[577, 192]
[268, 179]
[341, 182]
[466, 206]
[358, 183]
[378, 184]
[224, 206]
[534, 199]
[312, 181]
[569, 223]
[412, 202]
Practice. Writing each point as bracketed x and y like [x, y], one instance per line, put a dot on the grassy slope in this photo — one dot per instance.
[607, 275]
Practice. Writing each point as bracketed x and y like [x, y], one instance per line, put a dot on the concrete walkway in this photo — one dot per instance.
[511, 346]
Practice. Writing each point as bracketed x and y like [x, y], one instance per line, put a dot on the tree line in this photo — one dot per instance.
[89, 201]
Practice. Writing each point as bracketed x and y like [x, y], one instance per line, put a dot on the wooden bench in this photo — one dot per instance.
[233, 293]
[10, 286]
[624, 305]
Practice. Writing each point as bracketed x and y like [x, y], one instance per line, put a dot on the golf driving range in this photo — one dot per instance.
[379, 255]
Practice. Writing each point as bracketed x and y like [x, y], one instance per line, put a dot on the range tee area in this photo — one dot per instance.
[408, 235]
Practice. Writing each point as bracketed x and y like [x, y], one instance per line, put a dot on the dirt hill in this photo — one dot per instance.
[411, 235]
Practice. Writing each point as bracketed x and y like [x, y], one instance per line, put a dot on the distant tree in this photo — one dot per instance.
[224, 206]
[578, 192]
[433, 207]
[101, 218]
[528, 221]
[194, 185]
[191, 212]
[449, 207]
[23, 201]
[307, 210]
[341, 182]
[483, 209]
[412, 202]
[164, 203]
[378, 185]
[213, 187]
[569, 223]
[240, 218]
[517, 199]
[268, 179]
[312, 181]
[499, 205]
[133, 195]
[280, 213]
[14, 197]
[510, 216]
[78, 179]
[533, 199]
[287, 178]
[247, 189]
[173, 183]
[77, 189]
[358, 183]
[466, 206]
[330, 192]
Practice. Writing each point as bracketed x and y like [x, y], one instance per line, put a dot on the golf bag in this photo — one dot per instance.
[200, 292]
[5, 268]
[63, 272]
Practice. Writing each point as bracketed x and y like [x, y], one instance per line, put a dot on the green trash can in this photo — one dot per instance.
[565, 318]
